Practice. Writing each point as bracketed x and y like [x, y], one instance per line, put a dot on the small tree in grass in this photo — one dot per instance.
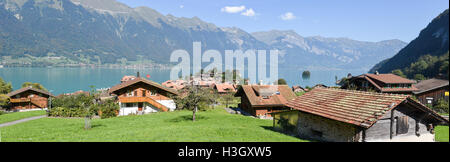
[227, 98]
[191, 99]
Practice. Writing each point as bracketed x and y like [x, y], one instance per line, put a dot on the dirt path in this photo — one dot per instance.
[22, 120]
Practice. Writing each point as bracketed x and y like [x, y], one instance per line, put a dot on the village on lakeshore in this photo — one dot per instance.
[362, 108]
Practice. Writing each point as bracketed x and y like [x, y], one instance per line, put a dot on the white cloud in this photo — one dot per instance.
[233, 9]
[250, 12]
[181, 6]
[288, 16]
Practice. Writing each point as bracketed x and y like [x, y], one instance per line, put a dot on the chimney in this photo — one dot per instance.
[376, 73]
[138, 75]
[261, 82]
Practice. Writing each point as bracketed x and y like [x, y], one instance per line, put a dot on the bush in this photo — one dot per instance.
[108, 109]
[441, 106]
[2, 112]
[73, 106]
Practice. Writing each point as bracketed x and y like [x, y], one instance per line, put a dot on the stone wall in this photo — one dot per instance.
[315, 127]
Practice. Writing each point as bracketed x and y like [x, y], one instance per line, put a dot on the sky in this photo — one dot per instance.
[355, 19]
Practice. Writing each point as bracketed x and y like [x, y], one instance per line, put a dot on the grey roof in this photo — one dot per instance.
[21, 90]
[430, 84]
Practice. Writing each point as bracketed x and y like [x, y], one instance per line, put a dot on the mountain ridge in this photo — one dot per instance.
[433, 40]
[108, 30]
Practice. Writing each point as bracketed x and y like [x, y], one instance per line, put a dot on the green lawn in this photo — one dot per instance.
[211, 126]
[19, 115]
[442, 133]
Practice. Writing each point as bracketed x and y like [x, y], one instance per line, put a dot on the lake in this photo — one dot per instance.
[67, 80]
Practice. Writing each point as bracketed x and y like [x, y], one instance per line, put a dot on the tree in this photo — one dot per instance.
[34, 85]
[5, 87]
[306, 74]
[399, 73]
[228, 97]
[419, 77]
[281, 81]
[192, 98]
[4, 100]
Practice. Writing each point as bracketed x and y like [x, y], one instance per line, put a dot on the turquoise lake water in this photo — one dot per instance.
[67, 80]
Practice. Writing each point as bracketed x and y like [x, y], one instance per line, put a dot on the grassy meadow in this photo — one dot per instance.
[9, 117]
[211, 126]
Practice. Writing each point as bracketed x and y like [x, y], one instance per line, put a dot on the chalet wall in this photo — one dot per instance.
[319, 128]
[37, 98]
[380, 131]
[435, 94]
[246, 106]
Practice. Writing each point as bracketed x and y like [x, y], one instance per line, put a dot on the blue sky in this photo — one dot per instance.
[375, 20]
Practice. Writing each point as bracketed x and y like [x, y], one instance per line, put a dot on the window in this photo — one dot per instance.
[129, 105]
[402, 125]
[153, 93]
[143, 93]
[129, 93]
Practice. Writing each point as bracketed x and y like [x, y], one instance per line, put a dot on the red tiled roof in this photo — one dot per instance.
[382, 89]
[353, 107]
[223, 88]
[255, 94]
[176, 85]
[127, 78]
[390, 78]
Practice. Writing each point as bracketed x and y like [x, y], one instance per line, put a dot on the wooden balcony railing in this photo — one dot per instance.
[143, 99]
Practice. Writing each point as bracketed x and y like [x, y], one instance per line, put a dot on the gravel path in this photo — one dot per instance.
[21, 121]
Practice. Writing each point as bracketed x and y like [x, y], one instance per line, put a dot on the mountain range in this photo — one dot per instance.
[421, 55]
[107, 30]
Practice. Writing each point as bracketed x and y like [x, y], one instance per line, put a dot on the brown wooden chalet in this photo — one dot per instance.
[432, 90]
[338, 115]
[140, 95]
[384, 83]
[261, 100]
[28, 98]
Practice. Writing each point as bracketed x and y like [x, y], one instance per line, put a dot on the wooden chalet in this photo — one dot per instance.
[338, 115]
[261, 100]
[383, 83]
[29, 98]
[140, 96]
[432, 90]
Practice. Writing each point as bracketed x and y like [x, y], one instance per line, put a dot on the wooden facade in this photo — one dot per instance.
[383, 83]
[262, 100]
[143, 96]
[28, 98]
[432, 90]
[432, 96]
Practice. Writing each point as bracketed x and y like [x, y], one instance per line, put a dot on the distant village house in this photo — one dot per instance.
[383, 83]
[261, 100]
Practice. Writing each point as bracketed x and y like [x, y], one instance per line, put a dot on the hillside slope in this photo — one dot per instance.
[432, 42]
